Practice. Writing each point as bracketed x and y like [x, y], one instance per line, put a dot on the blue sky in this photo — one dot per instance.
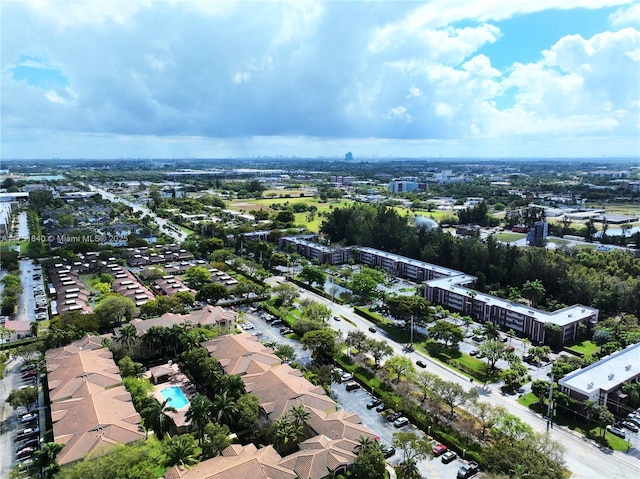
[208, 79]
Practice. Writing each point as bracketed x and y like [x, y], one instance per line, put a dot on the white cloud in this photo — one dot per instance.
[580, 86]
[626, 15]
[440, 13]
[324, 70]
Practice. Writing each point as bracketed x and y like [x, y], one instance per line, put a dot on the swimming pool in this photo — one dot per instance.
[176, 397]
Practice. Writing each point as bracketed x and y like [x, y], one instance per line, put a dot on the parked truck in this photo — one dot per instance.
[468, 470]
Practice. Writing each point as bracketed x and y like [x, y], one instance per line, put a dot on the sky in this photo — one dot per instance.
[240, 79]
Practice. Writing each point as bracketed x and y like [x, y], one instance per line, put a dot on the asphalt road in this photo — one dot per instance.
[177, 234]
[584, 458]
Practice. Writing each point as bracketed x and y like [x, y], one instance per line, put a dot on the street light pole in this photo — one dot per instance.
[550, 406]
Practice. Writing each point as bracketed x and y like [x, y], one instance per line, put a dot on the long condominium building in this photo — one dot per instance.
[450, 288]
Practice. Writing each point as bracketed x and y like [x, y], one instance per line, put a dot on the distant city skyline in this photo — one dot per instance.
[242, 79]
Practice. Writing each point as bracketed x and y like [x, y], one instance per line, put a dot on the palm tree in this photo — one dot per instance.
[154, 338]
[286, 434]
[176, 335]
[180, 450]
[299, 416]
[491, 330]
[367, 442]
[46, 459]
[233, 385]
[224, 409]
[409, 469]
[128, 335]
[199, 413]
[211, 374]
[156, 416]
[533, 290]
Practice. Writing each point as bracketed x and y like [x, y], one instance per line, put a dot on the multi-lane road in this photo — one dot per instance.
[167, 227]
[585, 459]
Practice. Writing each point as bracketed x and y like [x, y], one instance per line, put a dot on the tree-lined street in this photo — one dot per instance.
[585, 459]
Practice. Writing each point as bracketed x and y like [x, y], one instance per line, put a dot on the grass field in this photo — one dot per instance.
[586, 348]
[509, 237]
[248, 205]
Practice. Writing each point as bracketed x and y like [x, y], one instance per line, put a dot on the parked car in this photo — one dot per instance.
[26, 452]
[616, 431]
[468, 470]
[474, 352]
[421, 363]
[27, 433]
[387, 451]
[401, 422]
[29, 374]
[393, 417]
[373, 403]
[479, 339]
[448, 456]
[28, 417]
[381, 407]
[439, 449]
[634, 418]
[352, 386]
[629, 425]
[346, 377]
[480, 355]
[34, 443]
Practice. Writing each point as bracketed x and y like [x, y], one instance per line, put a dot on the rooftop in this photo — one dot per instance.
[606, 374]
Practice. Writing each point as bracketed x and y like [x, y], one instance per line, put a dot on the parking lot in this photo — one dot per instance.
[356, 401]
[20, 429]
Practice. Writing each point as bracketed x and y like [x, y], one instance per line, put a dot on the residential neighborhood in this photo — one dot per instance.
[253, 345]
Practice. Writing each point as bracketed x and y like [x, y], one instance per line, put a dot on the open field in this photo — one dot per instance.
[509, 237]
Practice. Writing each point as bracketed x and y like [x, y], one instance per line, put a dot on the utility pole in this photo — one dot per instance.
[550, 406]
[411, 333]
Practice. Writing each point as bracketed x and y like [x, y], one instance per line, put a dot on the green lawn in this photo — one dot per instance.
[558, 241]
[586, 348]
[509, 237]
[591, 431]
[528, 399]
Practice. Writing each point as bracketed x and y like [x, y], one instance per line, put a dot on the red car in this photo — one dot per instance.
[29, 374]
[439, 449]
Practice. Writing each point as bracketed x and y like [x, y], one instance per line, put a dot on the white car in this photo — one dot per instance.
[401, 422]
[346, 377]
[28, 417]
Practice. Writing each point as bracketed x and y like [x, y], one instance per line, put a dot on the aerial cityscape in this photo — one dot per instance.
[318, 239]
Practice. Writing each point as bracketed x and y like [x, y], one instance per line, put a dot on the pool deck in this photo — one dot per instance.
[188, 388]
